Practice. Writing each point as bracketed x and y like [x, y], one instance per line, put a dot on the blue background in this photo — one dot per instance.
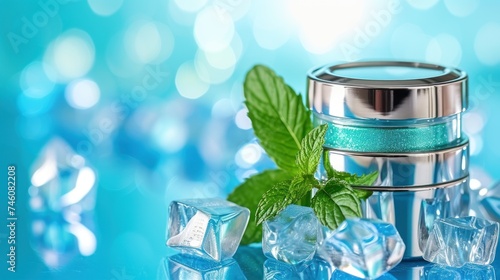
[149, 93]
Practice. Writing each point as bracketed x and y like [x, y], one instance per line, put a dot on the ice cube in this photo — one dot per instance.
[363, 248]
[292, 235]
[476, 272]
[208, 228]
[313, 269]
[458, 241]
[430, 210]
[188, 267]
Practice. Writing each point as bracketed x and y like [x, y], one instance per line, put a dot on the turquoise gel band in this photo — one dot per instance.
[389, 139]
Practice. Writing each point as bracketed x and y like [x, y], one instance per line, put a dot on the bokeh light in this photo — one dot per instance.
[213, 30]
[82, 94]
[271, 28]
[118, 58]
[188, 83]
[71, 55]
[222, 59]
[208, 73]
[105, 8]
[316, 18]
[223, 109]
[444, 49]
[422, 4]
[487, 44]
[170, 134]
[236, 9]
[147, 41]
[409, 42]
[34, 82]
[242, 120]
[475, 145]
[461, 8]
[473, 122]
[248, 155]
[190, 5]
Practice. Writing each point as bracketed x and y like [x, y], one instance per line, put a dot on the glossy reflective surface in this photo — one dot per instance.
[387, 99]
[254, 265]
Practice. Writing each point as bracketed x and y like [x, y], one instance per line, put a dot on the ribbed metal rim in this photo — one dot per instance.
[418, 188]
[433, 97]
[460, 146]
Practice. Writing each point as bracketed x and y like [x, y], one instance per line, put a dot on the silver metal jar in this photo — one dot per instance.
[402, 119]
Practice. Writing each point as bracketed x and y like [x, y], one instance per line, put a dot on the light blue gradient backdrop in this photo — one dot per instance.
[150, 93]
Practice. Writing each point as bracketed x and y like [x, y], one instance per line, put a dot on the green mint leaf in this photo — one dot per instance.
[330, 172]
[279, 118]
[334, 174]
[335, 202]
[355, 180]
[365, 180]
[284, 194]
[273, 201]
[351, 179]
[363, 194]
[301, 186]
[248, 195]
[310, 152]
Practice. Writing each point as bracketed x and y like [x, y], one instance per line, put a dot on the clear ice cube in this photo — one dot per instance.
[61, 180]
[441, 272]
[208, 228]
[292, 235]
[187, 267]
[363, 248]
[430, 210]
[458, 241]
[62, 199]
[313, 269]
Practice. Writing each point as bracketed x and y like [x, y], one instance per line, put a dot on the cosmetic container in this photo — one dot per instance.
[403, 120]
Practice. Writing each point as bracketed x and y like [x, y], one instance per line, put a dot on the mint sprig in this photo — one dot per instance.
[250, 192]
[284, 128]
[283, 194]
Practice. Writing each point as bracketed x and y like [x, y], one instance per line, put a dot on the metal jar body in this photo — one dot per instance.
[408, 129]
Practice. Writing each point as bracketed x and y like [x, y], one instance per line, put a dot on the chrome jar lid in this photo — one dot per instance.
[387, 90]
